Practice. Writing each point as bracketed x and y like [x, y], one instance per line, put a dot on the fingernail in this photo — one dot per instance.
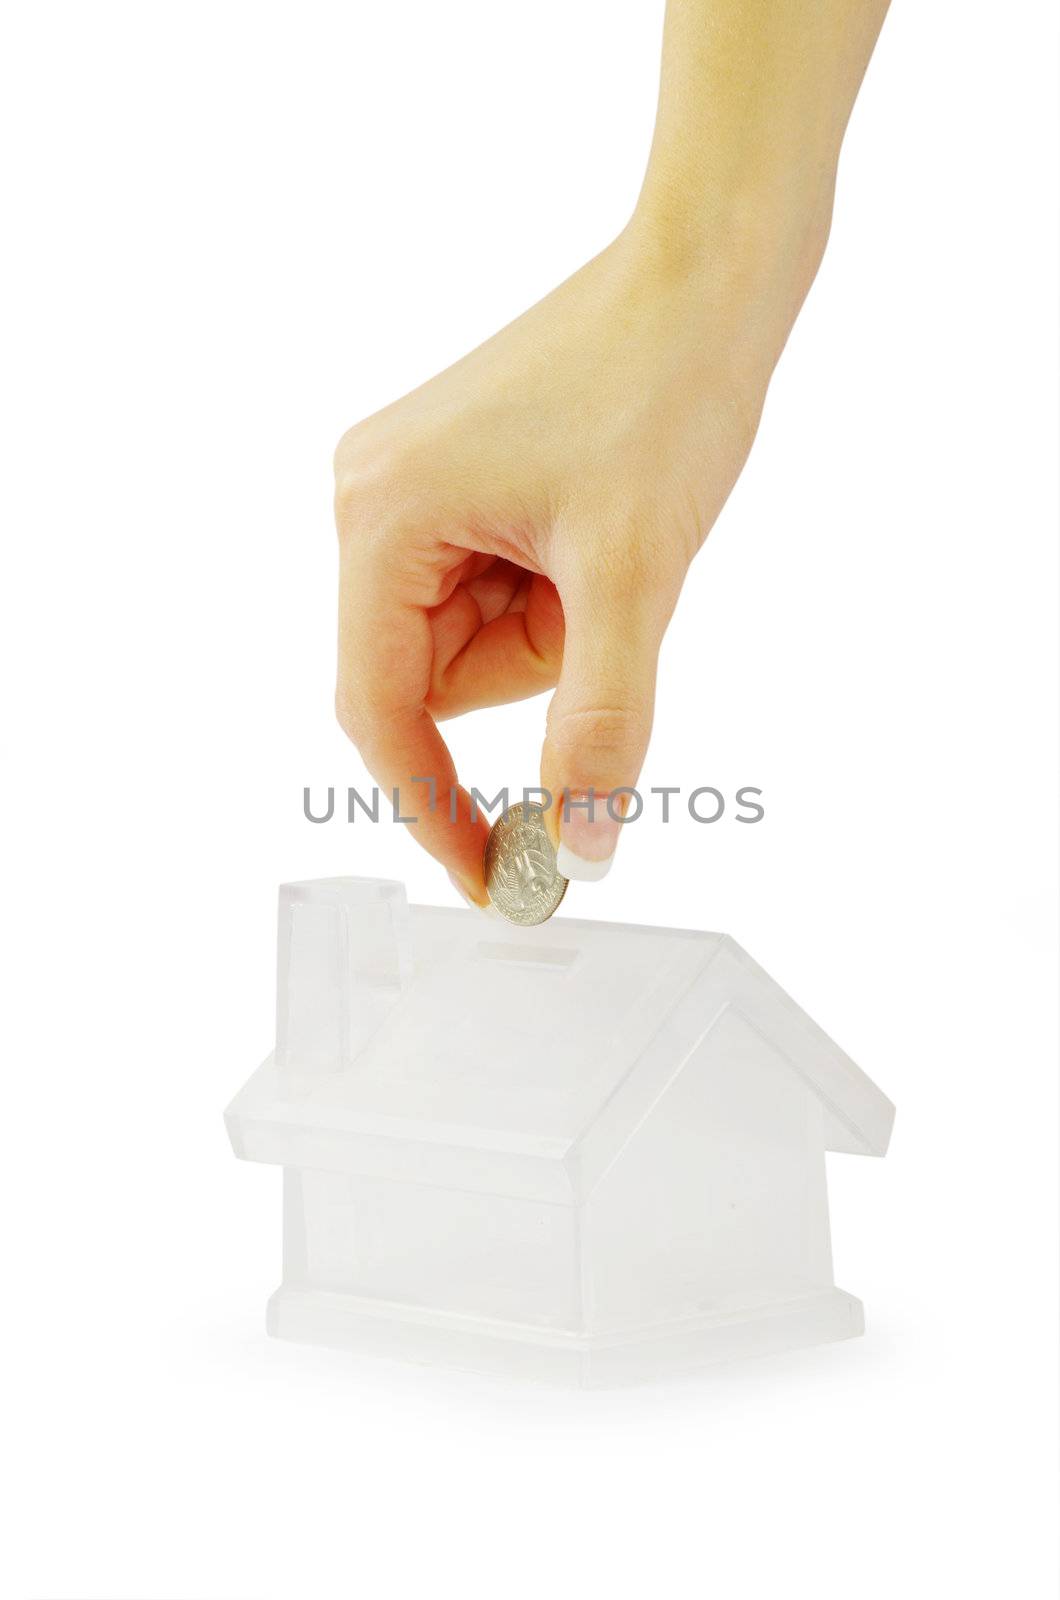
[588, 834]
[487, 910]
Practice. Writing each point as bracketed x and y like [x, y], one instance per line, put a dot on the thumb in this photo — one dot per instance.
[599, 720]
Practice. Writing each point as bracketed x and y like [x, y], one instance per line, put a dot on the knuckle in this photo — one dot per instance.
[597, 733]
[362, 715]
[378, 480]
[350, 715]
[627, 569]
[361, 469]
[625, 561]
[344, 715]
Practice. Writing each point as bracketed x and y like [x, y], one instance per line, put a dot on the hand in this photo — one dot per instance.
[526, 519]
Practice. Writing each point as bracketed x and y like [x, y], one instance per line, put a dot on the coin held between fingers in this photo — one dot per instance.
[519, 866]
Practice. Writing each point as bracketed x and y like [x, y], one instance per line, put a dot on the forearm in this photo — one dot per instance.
[754, 101]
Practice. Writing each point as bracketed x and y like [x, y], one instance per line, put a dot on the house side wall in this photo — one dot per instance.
[718, 1201]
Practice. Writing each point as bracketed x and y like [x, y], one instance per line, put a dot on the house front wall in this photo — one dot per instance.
[429, 1248]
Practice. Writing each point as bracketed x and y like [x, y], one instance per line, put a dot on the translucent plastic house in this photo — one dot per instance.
[583, 1151]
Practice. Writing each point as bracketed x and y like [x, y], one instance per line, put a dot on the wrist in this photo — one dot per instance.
[742, 254]
[753, 104]
[760, 222]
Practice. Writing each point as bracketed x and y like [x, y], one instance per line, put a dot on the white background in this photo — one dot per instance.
[232, 230]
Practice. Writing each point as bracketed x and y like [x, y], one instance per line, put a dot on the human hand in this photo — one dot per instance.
[525, 520]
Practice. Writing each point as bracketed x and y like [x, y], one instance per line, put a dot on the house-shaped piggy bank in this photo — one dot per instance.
[584, 1152]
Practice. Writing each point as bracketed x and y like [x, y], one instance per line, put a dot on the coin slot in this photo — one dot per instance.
[548, 958]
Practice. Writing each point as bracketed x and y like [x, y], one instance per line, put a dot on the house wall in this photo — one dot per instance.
[718, 1201]
[443, 1249]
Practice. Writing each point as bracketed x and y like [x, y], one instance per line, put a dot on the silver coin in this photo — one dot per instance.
[520, 867]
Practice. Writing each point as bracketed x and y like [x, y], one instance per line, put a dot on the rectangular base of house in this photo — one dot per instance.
[433, 1338]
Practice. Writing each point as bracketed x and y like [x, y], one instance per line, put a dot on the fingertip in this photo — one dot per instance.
[485, 906]
[571, 865]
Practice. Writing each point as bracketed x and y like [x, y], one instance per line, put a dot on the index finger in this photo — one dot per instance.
[384, 678]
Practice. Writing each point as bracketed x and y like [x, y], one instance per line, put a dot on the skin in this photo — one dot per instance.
[525, 520]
